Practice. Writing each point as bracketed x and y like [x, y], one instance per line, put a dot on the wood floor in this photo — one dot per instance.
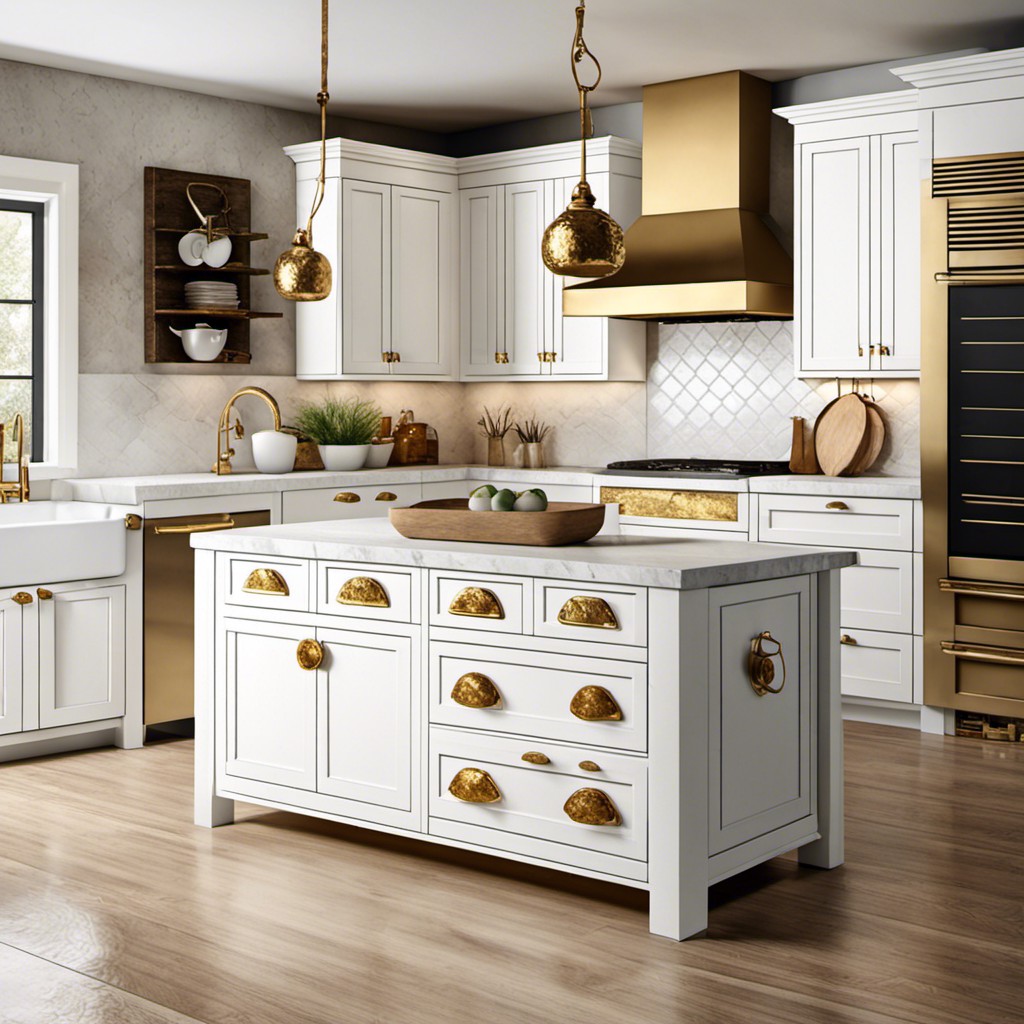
[114, 909]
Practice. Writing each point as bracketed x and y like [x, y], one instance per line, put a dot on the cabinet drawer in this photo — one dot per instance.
[878, 592]
[526, 812]
[500, 604]
[828, 521]
[367, 592]
[363, 502]
[601, 613]
[879, 665]
[556, 697]
[273, 583]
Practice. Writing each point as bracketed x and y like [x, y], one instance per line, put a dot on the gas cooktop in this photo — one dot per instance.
[708, 469]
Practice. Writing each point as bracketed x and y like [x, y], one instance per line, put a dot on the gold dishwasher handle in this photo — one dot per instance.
[838, 506]
[761, 667]
[348, 497]
[474, 786]
[309, 654]
[1002, 591]
[195, 527]
[592, 807]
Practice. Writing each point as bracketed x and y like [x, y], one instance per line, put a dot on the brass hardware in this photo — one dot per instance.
[860, 351]
[590, 766]
[20, 488]
[225, 452]
[474, 786]
[475, 690]
[983, 652]
[501, 357]
[21, 597]
[195, 527]
[386, 496]
[363, 591]
[132, 521]
[762, 668]
[1005, 591]
[838, 506]
[592, 807]
[848, 640]
[535, 757]
[309, 654]
[595, 704]
[391, 357]
[547, 357]
[43, 594]
[593, 612]
[655, 503]
[477, 603]
[396, 357]
[349, 497]
[265, 582]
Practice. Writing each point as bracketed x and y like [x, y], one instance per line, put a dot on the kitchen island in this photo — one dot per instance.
[660, 714]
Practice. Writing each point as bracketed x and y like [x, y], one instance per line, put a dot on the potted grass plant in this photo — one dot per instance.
[342, 429]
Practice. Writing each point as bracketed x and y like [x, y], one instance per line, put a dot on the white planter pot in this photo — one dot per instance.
[274, 451]
[379, 455]
[341, 458]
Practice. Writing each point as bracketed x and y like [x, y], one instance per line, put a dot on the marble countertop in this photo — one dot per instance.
[684, 564]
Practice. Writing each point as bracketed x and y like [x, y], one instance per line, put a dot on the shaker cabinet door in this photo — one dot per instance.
[10, 663]
[527, 289]
[482, 258]
[318, 324]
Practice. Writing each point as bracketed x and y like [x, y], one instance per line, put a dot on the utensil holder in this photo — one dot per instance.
[495, 451]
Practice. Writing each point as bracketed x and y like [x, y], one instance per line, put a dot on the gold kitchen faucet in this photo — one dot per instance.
[18, 488]
[224, 450]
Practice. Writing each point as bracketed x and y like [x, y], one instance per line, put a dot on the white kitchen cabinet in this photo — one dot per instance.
[10, 663]
[857, 237]
[361, 502]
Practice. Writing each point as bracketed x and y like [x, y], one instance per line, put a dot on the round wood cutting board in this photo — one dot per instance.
[841, 435]
[876, 438]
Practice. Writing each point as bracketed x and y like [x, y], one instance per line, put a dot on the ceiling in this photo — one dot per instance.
[448, 65]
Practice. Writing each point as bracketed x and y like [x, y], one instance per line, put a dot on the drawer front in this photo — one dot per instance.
[528, 800]
[500, 604]
[878, 592]
[724, 510]
[363, 502]
[555, 697]
[878, 665]
[278, 584]
[598, 613]
[367, 592]
[827, 521]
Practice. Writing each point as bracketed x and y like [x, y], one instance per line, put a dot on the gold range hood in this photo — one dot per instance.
[700, 250]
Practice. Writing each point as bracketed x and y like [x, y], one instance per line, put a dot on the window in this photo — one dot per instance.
[22, 363]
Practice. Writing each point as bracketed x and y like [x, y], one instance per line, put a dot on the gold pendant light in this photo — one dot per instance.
[583, 241]
[302, 274]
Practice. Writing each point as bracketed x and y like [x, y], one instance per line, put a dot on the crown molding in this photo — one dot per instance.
[960, 70]
[896, 102]
[605, 146]
[373, 153]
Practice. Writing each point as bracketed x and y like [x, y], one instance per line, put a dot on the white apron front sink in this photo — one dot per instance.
[45, 542]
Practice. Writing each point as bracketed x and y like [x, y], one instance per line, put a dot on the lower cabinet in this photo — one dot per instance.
[11, 657]
[362, 502]
[878, 665]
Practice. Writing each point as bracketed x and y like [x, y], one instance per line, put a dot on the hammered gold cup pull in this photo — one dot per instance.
[761, 666]
[535, 757]
[21, 597]
[475, 690]
[594, 612]
[363, 592]
[309, 654]
[43, 594]
[476, 603]
[348, 497]
[595, 704]
[474, 786]
[592, 807]
[838, 506]
[386, 496]
[266, 582]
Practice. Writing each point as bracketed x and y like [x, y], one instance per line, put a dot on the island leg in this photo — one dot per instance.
[210, 809]
[678, 799]
[827, 852]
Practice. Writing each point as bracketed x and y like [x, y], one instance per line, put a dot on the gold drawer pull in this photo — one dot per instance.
[595, 704]
[132, 521]
[848, 640]
[546, 357]
[592, 807]
[1002, 591]
[348, 497]
[475, 690]
[984, 652]
[22, 598]
[535, 757]
[838, 506]
[386, 496]
[364, 592]
[590, 766]
[477, 603]
[761, 666]
[43, 594]
[474, 786]
[268, 582]
[588, 611]
[309, 654]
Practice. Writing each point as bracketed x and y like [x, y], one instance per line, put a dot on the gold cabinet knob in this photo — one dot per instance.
[309, 654]
[592, 807]
[132, 521]
[21, 597]
[475, 690]
[595, 704]
[43, 594]
[838, 506]
[348, 497]
[364, 592]
[477, 603]
[268, 582]
[386, 496]
[474, 786]
[501, 358]
[761, 667]
[594, 612]
[535, 757]
[848, 640]
[590, 766]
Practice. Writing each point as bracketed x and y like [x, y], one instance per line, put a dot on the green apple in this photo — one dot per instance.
[503, 501]
[533, 500]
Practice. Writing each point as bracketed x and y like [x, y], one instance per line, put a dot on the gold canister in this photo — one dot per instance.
[415, 443]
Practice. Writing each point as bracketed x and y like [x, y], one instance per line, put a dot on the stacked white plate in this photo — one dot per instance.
[211, 295]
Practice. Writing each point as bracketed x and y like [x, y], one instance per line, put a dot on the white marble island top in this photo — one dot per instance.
[684, 564]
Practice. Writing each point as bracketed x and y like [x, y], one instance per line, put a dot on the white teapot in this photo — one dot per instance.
[202, 342]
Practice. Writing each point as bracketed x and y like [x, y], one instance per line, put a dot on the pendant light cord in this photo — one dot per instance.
[322, 97]
[578, 53]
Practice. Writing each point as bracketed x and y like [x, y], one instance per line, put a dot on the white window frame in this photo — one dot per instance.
[55, 185]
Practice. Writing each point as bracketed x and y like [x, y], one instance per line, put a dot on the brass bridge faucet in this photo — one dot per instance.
[224, 450]
[18, 488]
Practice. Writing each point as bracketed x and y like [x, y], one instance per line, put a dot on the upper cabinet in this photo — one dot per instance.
[857, 237]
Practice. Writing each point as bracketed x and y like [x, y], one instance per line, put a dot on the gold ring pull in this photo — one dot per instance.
[595, 704]
[761, 666]
[475, 690]
[386, 496]
[474, 786]
[838, 506]
[267, 582]
[476, 603]
[594, 612]
[348, 497]
[364, 592]
[309, 654]
[848, 640]
[590, 766]
[21, 597]
[43, 594]
[535, 757]
[592, 807]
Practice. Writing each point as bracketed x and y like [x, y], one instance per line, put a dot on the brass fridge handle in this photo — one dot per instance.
[195, 527]
[1003, 591]
[983, 652]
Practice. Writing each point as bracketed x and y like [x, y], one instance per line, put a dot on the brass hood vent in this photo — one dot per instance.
[700, 250]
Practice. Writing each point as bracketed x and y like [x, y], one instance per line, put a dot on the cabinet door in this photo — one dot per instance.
[527, 291]
[422, 227]
[365, 732]
[365, 276]
[10, 664]
[270, 704]
[318, 324]
[877, 665]
[834, 311]
[900, 254]
[81, 655]
[482, 255]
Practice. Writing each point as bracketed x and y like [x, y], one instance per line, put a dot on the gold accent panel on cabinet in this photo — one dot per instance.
[592, 807]
[474, 786]
[265, 581]
[475, 690]
[309, 654]
[476, 602]
[657, 503]
[595, 704]
[594, 612]
[365, 592]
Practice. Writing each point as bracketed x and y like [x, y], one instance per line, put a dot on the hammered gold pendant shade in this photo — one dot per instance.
[302, 274]
[583, 241]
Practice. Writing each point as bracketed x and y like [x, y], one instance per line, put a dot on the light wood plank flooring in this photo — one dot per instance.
[114, 909]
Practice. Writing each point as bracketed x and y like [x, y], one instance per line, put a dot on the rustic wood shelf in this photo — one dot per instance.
[182, 269]
[242, 236]
[231, 314]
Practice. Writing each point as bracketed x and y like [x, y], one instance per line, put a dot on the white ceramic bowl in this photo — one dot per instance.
[274, 451]
[203, 343]
[341, 458]
[379, 455]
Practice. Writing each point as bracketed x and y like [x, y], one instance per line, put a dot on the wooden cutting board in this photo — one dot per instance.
[876, 438]
[841, 435]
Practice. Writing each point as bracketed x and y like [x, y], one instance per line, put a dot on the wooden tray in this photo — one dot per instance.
[564, 522]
